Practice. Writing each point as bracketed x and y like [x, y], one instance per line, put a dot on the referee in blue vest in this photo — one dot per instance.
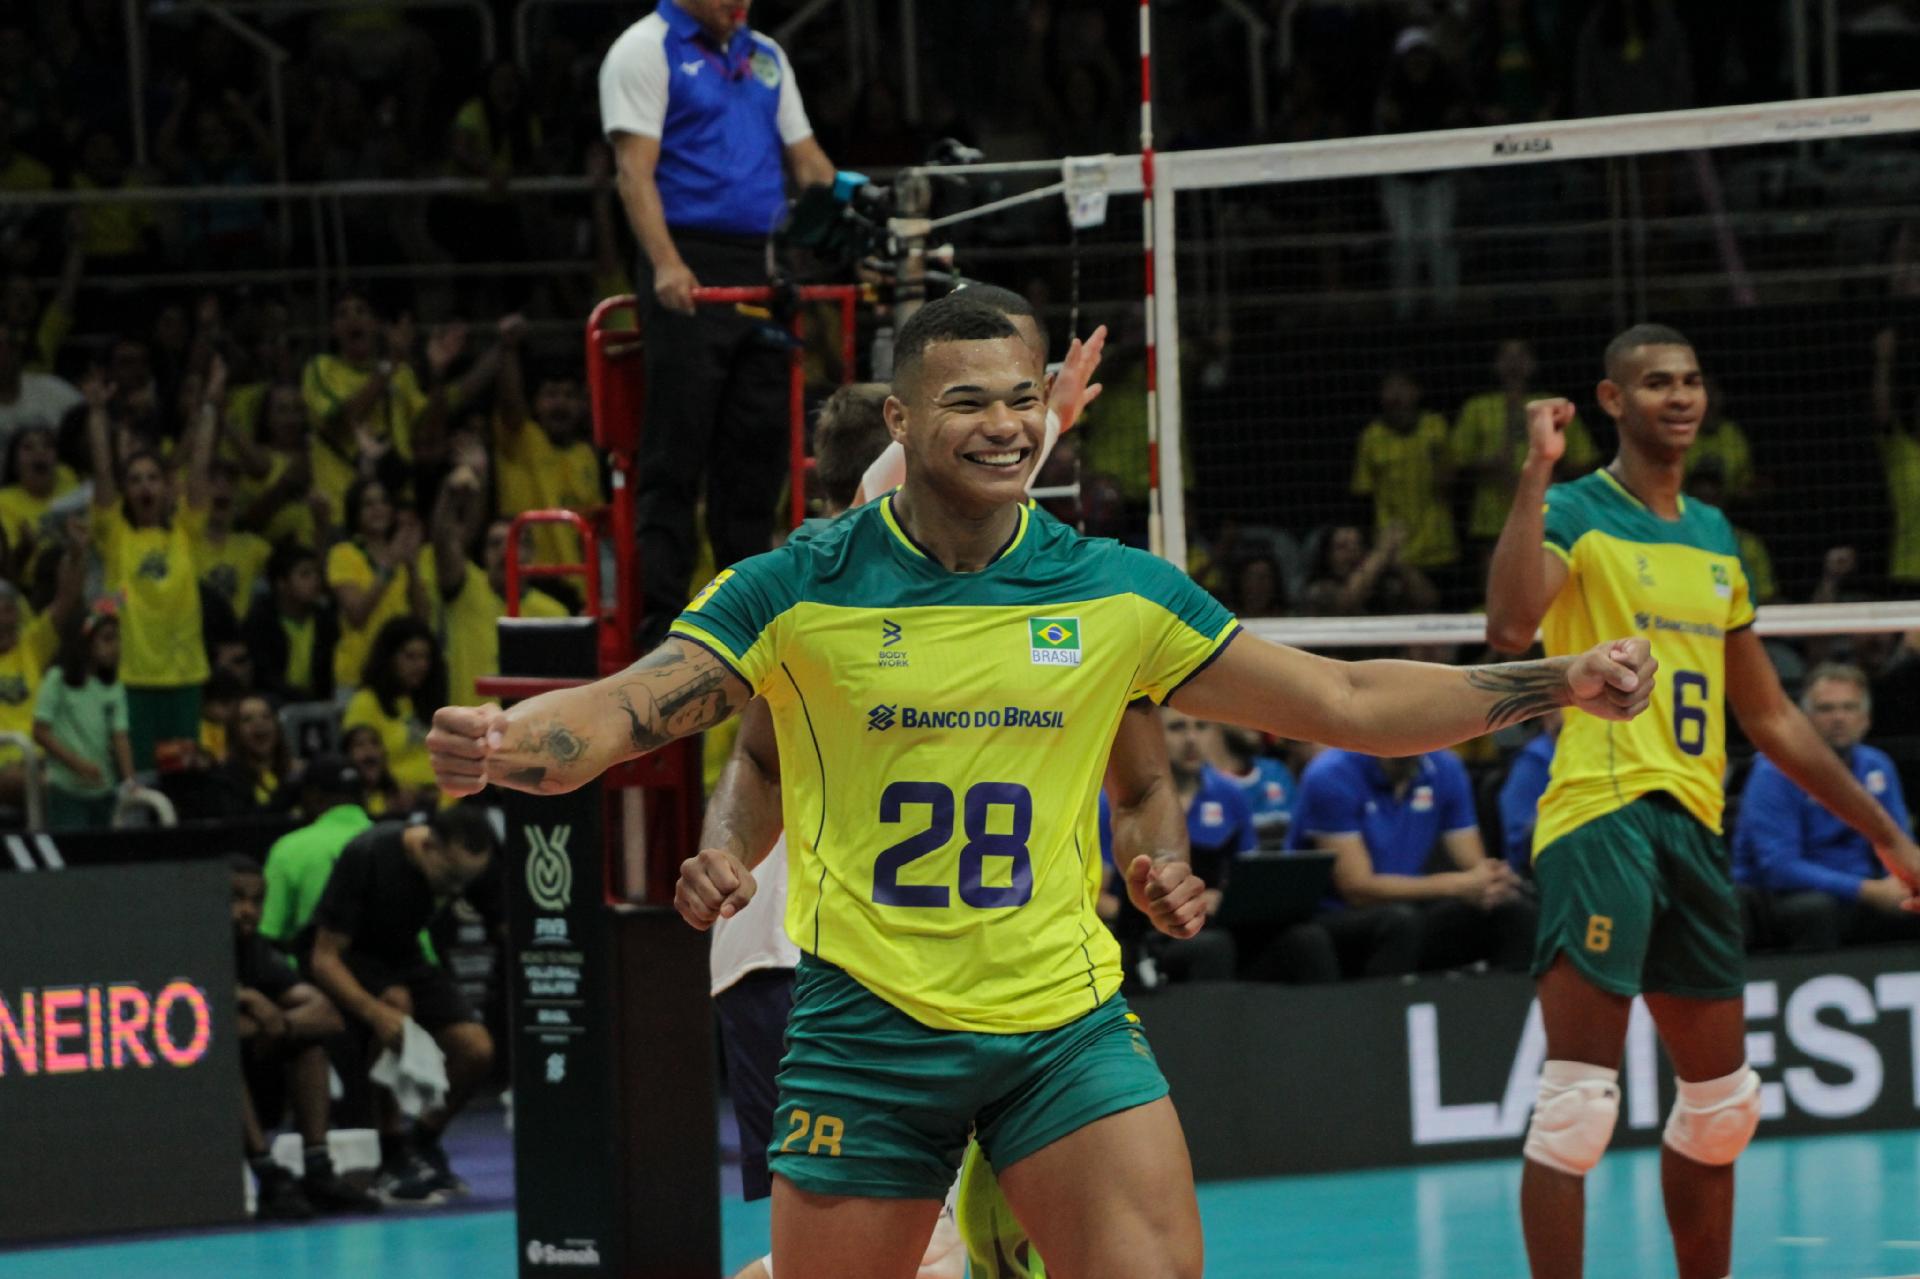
[705, 119]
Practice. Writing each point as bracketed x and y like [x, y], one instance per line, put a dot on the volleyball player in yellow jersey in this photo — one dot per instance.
[1635, 891]
[939, 801]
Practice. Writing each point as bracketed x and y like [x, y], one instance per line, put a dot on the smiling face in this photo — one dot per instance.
[1657, 396]
[971, 415]
[367, 754]
[256, 728]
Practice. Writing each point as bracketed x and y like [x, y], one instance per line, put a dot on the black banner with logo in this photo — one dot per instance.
[616, 1166]
[119, 1072]
[1273, 1080]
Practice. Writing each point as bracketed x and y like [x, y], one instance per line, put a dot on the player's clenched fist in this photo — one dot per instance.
[1547, 428]
[1169, 894]
[1613, 680]
[460, 745]
[714, 884]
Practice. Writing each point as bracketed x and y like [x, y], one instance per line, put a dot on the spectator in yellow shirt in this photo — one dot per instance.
[473, 599]
[28, 646]
[145, 541]
[1404, 465]
[374, 576]
[228, 561]
[385, 797]
[403, 682]
[543, 458]
[364, 402]
[36, 478]
[1490, 442]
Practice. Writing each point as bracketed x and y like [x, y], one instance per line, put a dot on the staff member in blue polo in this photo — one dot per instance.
[705, 119]
[1383, 819]
[1824, 887]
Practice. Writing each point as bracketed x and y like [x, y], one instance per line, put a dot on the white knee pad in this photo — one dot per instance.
[1713, 1120]
[1574, 1116]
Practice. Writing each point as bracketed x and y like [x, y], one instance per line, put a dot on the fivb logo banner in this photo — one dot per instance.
[549, 869]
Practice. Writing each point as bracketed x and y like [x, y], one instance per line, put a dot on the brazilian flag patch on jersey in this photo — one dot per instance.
[1055, 640]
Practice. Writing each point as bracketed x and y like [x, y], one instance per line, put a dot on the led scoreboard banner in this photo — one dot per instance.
[119, 1072]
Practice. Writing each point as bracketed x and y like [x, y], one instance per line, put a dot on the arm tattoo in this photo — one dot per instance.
[562, 743]
[1525, 689]
[526, 778]
[664, 701]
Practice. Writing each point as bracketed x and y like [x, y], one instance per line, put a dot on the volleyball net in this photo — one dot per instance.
[1434, 282]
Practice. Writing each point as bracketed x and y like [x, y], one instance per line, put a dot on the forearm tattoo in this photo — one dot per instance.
[667, 697]
[1524, 690]
[555, 742]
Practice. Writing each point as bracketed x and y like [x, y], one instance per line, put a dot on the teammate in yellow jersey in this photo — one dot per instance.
[1635, 891]
[938, 794]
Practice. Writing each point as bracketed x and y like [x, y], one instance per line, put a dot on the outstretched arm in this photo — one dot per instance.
[562, 740]
[1407, 708]
[1780, 731]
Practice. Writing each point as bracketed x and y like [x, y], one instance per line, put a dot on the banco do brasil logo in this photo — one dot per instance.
[880, 719]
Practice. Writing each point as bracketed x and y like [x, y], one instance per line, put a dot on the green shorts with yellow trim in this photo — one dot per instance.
[874, 1104]
[1642, 899]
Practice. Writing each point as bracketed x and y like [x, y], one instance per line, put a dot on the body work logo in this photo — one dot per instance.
[549, 869]
[889, 636]
[1054, 641]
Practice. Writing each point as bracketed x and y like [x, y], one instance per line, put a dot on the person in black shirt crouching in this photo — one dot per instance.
[365, 951]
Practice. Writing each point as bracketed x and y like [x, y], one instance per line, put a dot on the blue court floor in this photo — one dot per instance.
[1814, 1208]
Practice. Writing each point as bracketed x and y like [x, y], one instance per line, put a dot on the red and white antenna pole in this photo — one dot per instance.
[1154, 531]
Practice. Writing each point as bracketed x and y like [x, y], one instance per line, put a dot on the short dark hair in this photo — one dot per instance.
[288, 555]
[241, 864]
[1638, 336]
[950, 319]
[1007, 302]
[378, 677]
[849, 433]
[466, 825]
[332, 777]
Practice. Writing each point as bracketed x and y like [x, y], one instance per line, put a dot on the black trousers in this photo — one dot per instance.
[716, 420]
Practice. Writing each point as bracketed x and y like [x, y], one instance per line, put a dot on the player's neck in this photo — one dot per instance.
[1654, 481]
[958, 540]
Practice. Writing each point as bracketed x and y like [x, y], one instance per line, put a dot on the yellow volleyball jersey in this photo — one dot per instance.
[942, 739]
[1679, 583]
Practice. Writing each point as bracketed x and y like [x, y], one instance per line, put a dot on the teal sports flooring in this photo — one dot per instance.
[1814, 1208]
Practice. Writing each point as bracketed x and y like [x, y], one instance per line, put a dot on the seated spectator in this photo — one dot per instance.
[80, 722]
[1489, 442]
[374, 575]
[1382, 819]
[331, 798]
[258, 774]
[1219, 828]
[1402, 462]
[1520, 794]
[390, 882]
[219, 702]
[227, 560]
[1348, 579]
[283, 1025]
[36, 478]
[146, 542]
[1822, 884]
[1259, 587]
[402, 685]
[291, 630]
[385, 797]
[543, 456]
[1265, 781]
